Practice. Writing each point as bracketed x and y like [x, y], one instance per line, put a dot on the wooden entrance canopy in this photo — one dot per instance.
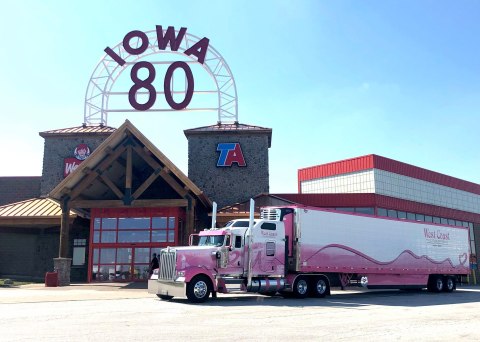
[126, 170]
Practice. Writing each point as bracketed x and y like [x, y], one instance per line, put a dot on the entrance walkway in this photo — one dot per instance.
[37, 293]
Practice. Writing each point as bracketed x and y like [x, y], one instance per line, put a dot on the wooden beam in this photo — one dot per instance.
[128, 171]
[152, 162]
[33, 222]
[64, 228]
[141, 189]
[174, 184]
[84, 183]
[112, 186]
[166, 176]
[190, 224]
[135, 203]
[161, 203]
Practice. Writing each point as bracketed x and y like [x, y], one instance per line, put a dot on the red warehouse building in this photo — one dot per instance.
[381, 186]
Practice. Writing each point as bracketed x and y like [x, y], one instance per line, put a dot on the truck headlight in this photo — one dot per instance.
[180, 274]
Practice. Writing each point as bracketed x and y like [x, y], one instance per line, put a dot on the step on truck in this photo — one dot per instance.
[301, 251]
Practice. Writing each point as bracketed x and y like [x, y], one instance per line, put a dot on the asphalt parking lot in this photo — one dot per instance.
[122, 312]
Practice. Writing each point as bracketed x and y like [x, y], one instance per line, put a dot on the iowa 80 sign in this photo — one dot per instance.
[168, 70]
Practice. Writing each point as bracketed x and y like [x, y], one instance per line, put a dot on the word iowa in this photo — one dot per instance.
[165, 38]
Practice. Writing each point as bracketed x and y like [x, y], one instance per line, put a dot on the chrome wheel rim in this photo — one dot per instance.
[302, 287]
[200, 289]
[321, 287]
[439, 284]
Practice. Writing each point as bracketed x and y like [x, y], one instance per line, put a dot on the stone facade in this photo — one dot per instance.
[16, 189]
[59, 145]
[230, 184]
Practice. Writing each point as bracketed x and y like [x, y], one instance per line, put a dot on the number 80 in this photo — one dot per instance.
[152, 93]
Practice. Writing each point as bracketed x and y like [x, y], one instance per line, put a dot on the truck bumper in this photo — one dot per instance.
[167, 288]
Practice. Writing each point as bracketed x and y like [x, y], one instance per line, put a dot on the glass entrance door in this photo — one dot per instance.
[123, 264]
[123, 241]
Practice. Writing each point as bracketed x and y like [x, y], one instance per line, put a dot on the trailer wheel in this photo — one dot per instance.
[300, 287]
[436, 283]
[449, 285]
[164, 297]
[320, 287]
[198, 289]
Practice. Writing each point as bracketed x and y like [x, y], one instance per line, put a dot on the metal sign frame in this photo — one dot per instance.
[107, 71]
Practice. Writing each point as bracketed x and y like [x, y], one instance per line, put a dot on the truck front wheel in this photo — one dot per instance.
[300, 287]
[198, 289]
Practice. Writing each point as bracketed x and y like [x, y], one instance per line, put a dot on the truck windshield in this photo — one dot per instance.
[214, 240]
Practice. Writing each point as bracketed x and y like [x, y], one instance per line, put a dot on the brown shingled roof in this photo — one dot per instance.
[84, 129]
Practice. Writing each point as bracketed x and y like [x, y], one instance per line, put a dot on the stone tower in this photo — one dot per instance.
[229, 162]
[59, 151]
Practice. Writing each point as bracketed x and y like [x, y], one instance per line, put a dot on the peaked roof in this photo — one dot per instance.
[84, 129]
[236, 127]
[110, 146]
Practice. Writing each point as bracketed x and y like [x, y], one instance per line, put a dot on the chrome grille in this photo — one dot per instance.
[168, 260]
[270, 214]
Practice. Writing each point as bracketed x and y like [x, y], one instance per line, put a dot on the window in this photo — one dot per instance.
[238, 241]
[402, 215]
[124, 240]
[270, 250]
[366, 211]
[381, 212]
[419, 217]
[79, 249]
[411, 216]
[269, 226]
[392, 213]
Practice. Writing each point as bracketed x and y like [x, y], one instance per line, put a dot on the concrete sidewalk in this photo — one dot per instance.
[37, 293]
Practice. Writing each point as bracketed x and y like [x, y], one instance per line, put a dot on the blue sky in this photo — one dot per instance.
[333, 79]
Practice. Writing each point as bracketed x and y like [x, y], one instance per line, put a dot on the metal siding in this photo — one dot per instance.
[32, 208]
[408, 170]
[374, 200]
[336, 168]
[426, 209]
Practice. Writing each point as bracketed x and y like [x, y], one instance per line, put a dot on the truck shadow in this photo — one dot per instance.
[350, 299]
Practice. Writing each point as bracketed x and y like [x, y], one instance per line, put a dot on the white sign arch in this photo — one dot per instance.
[135, 47]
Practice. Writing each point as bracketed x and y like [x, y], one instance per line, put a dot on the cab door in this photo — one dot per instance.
[236, 255]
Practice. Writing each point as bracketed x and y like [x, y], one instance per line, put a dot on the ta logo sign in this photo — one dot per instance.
[230, 153]
[199, 50]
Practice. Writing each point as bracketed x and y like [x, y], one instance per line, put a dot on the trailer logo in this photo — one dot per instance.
[230, 153]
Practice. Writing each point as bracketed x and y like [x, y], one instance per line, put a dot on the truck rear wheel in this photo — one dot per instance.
[449, 284]
[300, 287]
[198, 289]
[436, 283]
[320, 287]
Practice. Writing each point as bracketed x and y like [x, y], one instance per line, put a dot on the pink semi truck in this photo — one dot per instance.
[300, 251]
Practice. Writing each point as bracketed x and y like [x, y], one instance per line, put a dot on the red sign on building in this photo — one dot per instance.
[81, 152]
[70, 165]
